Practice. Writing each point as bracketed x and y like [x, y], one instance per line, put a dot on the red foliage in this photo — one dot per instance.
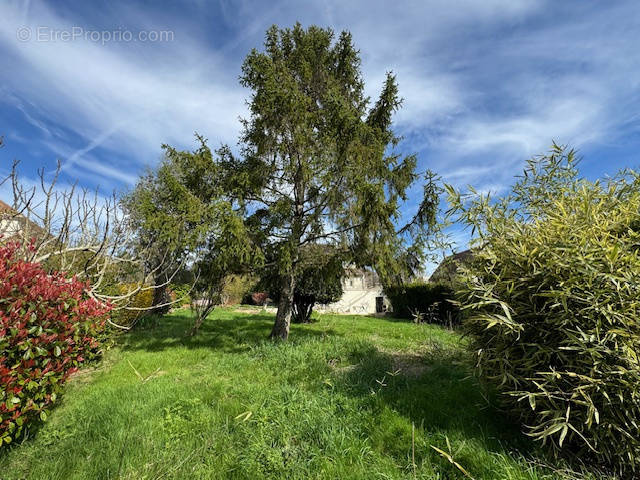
[259, 298]
[48, 327]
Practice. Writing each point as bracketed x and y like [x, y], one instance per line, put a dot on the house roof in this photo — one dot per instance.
[449, 265]
[7, 212]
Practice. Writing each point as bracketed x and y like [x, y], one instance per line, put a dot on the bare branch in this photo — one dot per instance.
[81, 233]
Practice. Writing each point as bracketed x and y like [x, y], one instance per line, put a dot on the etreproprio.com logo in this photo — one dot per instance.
[46, 34]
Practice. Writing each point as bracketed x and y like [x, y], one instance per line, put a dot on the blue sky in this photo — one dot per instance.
[486, 84]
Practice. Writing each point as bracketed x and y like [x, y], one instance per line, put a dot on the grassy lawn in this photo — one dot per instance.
[339, 400]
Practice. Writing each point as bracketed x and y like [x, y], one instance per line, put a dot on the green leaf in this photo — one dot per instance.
[563, 434]
[532, 401]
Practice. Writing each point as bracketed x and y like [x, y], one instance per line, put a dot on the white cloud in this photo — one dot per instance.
[486, 84]
[112, 99]
[82, 165]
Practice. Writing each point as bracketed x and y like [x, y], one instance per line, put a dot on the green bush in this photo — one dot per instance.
[236, 287]
[431, 300]
[553, 296]
[180, 293]
[139, 305]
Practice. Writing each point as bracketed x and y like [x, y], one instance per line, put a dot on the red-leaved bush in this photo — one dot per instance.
[48, 327]
[259, 298]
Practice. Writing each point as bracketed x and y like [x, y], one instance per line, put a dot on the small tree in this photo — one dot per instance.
[181, 207]
[228, 250]
[171, 209]
[318, 163]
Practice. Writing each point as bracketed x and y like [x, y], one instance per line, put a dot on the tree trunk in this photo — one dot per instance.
[160, 295]
[281, 326]
[302, 308]
[280, 330]
[307, 313]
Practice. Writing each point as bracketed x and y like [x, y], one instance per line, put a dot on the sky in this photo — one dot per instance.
[100, 86]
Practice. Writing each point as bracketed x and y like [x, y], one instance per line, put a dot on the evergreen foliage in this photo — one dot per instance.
[318, 164]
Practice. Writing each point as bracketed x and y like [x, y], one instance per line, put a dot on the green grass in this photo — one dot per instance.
[339, 400]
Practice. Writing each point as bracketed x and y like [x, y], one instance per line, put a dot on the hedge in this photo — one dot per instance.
[433, 301]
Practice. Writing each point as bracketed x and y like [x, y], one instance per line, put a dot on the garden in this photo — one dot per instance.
[346, 397]
[127, 352]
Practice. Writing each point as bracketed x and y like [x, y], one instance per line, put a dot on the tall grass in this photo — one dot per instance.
[346, 397]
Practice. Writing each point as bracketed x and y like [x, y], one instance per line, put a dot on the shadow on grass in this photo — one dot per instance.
[436, 391]
[433, 388]
[228, 332]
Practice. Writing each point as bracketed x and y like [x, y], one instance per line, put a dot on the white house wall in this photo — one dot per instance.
[357, 298]
[9, 227]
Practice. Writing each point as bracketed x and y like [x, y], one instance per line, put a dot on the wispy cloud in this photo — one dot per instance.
[485, 84]
[82, 165]
[121, 102]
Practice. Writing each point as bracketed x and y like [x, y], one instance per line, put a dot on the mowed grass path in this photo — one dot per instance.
[338, 401]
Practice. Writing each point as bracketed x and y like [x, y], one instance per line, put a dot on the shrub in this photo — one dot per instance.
[48, 328]
[433, 301]
[258, 298]
[181, 291]
[553, 296]
[142, 299]
[236, 287]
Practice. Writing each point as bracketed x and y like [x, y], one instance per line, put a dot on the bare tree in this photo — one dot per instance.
[203, 302]
[80, 232]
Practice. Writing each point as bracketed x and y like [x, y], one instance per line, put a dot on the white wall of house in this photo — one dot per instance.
[9, 227]
[362, 293]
